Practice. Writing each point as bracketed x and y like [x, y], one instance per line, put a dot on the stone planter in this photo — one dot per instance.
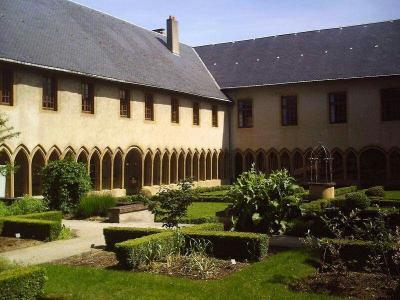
[321, 190]
[135, 212]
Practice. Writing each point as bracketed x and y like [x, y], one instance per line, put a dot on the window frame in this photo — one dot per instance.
[50, 104]
[196, 113]
[289, 122]
[90, 97]
[149, 107]
[214, 115]
[9, 84]
[335, 106]
[124, 102]
[387, 110]
[175, 110]
[241, 114]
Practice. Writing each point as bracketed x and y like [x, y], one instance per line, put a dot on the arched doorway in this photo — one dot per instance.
[372, 167]
[94, 170]
[83, 158]
[55, 155]
[156, 169]
[21, 176]
[202, 164]
[165, 168]
[181, 166]
[188, 166]
[4, 161]
[272, 162]
[117, 173]
[38, 163]
[196, 166]
[285, 161]
[238, 164]
[106, 171]
[208, 166]
[133, 171]
[173, 167]
[260, 162]
[147, 169]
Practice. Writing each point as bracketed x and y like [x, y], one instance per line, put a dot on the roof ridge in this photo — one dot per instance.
[299, 32]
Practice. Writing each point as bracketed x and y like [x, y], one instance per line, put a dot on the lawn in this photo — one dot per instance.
[263, 280]
[394, 195]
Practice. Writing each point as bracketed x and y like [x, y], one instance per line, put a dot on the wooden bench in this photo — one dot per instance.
[135, 212]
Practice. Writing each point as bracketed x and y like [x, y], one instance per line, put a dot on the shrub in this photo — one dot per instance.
[95, 205]
[64, 183]
[27, 205]
[205, 227]
[3, 209]
[171, 205]
[345, 190]
[114, 235]
[22, 283]
[357, 200]
[375, 191]
[134, 198]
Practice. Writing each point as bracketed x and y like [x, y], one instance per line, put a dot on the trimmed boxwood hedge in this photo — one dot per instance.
[39, 226]
[22, 283]
[114, 235]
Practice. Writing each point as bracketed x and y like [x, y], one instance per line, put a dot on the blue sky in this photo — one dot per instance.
[214, 21]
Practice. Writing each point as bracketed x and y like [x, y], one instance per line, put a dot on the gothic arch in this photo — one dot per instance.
[106, 169]
[208, 165]
[248, 159]
[69, 152]
[53, 154]
[181, 166]
[38, 163]
[117, 169]
[188, 165]
[285, 160]
[338, 165]
[83, 156]
[21, 175]
[273, 161]
[148, 167]
[165, 168]
[298, 165]
[373, 164]
[238, 163]
[133, 169]
[351, 165]
[202, 166]
[196, 160]
[157, 168]
[94, 169]
[5, 159]
[261, 162]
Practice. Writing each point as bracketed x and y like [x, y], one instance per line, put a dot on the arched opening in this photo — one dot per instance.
[394, 164]
[221, 167]
[202, 163]
[156, 169]
[94, 171]
[38, 162]
[117, 180]
[55, 155]
[337, 166]
[272, 162]
[4, 161]
[83, 158]
[133, 171]
[165, 169]
[106, 171]
[69, 154]
[181, 166]
[249, 160]
[372, 167]
[351, 166]
[173, 168]
[196, 166]
[147, 170]
[238, 164]
[285, 161]
[260, 162]
[208, 166]
[298, 168]
[188, 166]
[21, 176]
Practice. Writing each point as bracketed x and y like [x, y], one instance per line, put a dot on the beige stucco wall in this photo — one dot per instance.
[363, 128]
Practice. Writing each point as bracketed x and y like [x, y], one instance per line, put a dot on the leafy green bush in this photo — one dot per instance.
[345, 190]
[27, 205]
[134, 198]
[212, 189]
[262, 204]
[375, 191]
[95, 205]
[3, 209]
[22, 283]
[171, 205]
[357, 200]
[64, 183]
[114, 235]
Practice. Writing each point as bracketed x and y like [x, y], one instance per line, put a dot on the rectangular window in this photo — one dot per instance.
[174, 110]
[289, 110]
[196, 113]
[49, 93]
[214, 116]
[390, 104]
[6, 87]
[124, 103]
[149, 108]
[337, 108]
[88, 97]
[245, 113]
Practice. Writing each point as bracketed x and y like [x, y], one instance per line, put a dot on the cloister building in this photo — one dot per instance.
[141, 110]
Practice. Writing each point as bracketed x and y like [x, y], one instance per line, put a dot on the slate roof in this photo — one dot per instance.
[350, 52]
[67, 36]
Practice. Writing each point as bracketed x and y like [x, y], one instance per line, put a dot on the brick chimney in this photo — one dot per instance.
[173, 35]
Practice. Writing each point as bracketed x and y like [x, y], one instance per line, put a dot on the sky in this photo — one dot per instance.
[204, 22]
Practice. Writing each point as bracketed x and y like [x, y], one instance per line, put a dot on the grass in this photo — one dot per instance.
[394, 195]
[214, 193]
[264, 280]
[95, 205]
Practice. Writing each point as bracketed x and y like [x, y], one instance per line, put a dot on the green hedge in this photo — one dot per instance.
[22, 283]
[205, 227]
[39, 226]
[385, 202]
[345, 190]
[114, 235]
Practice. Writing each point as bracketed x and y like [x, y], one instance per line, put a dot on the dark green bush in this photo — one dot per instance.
[22, 283]
[228, 244]
[40, 226]
[212, 189]
[375, 191]
[385, 202]
[114, 235]
[205, 227]
[134, 198]
[27, 205]
[357, 200]
[95, 205]
[64, 183]
[3, 209]
[345, 190]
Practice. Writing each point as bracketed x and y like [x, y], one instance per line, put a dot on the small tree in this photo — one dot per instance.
[171, 205]
[6, 133]
[64, 183]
